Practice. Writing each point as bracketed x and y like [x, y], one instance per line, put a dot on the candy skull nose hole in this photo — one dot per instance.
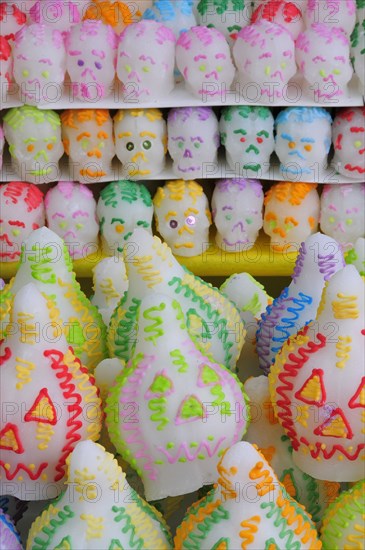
[188, 154]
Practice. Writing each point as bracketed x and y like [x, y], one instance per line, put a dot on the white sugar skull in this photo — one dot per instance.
[291, 214]
[204, 59]
[303, 140]
[343, 212]
[39, 62]
[323, 57]
[12, 19]
[6, 67]
[2, 143]
[71, 213]
[339, 14]
[182, 217]
[228, 17]
[287, 14]
[348, 136]
[140, 142]
[193, 140]
[22, 211]
[146, 75]
[178, 15]
[88, 139]
[358, 51]
[57, 14]
[91, 59]
[264, 54]
[122, 207]
[247, 134]
[237, 213]
[34, 138]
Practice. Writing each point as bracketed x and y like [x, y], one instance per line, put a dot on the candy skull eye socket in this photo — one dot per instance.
[79, 226]
[81, 63]
[62, 225]
[331, 219]
[25, 72]
[219, 69]
[173, 224]
[45, 74]
[357, 144]
[197, 145]
[228, 217]
[308, 147]
[202, 68]
[30, 148]
[98, 65]
[147, 144]
[50, 146]
[180, 144]
[130, 146]
[190, 220]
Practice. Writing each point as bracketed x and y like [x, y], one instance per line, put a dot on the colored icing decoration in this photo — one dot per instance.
[9, 537]
[334, 13]
[6, 67]
[22, 211]
[291, 214]
[178, 15]
[356, 256]
[286, 14]
[39, 62]
[323, 57]
[348, 136]
[57, 14]
[146, 77]
[247, 134]
[343, 522]
[264, 54]
[110, 283]
[183, 217]
[193, 140]
[303, 140]
[87, 135]
[343, 212]
[317, 384]
[173, 410]
[140, 142]
[248, 508]
[266, 432]
[212, 319]
[319, 258]
[91, 50]
[71, 214]
[12, 19]
[358, 51]
[2, 143]
[116, 14]
[237, 213]
[46, 263]
[122, 207]
[99, 509]
[227, 16]
[52, 400]
[35, 146]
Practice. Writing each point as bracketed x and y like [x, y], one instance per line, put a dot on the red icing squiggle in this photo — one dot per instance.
[33, 475]
[329, 454]
[6, 355]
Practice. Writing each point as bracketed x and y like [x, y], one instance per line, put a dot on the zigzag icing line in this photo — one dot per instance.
[33, 475]
[185, 451]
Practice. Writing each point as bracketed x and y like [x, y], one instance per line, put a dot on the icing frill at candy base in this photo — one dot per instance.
[356, 256]
[99, 509]
[248, 508]
[9, 538]
[266, 432]
[46, 263]
[12, 19]
[116, 14]
[54, 403]
[334, 13]
[183, 217]
[22, 211]
[71, 214]
[178, 15]
[212, 320]
[317, 384]
[320, 257]
[227, 16]
[358, 51]
[348, 136]
[186, 407]
[6, 68]
[343, 523]
[110, 282]
[122, 207]
[35, 146]
[286, 14]
[291, 214]
[140, 142]
[57, 14]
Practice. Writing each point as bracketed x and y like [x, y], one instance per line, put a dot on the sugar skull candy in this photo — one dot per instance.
[146, 75]
[2, 143]
[178, 15]
[88, 139]
[339, 14]
[287, 14]
[237, 213]
[122, 207]
[6, 67]
[343, 212]
[71, 213]
[140, 142]
[12, 19]
[358, 51]
[291, 214]
[227, 16]
[35, 145]
[323, 57]
[91, 59]
[39, 62]
[182, 217]
[22, 211]
[348, 136]
[248, 136]
[58, 14]
[264, 54]
[303, 140]
[193, 140]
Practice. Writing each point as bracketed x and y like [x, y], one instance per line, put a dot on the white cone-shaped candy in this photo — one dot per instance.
[110, 283]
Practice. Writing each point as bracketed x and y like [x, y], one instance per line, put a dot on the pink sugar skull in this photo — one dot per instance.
[348, 136]
[264, 54]
[343, 212]
[91, 59]
[2, 143]
[287, 14]
[323, 57]
[57, 14]
[237, 213]
[227, 16]
[71, 213]
[39, 62]
[87, 135]
[193, 140]
[12, 19]
[22, 211]
[6, 67]
[204, 59]
[146, 74]
[340, 14]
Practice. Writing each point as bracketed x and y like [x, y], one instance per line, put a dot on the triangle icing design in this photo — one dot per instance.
[9, 439]
[313, 392]
[65, 544]
[42, 410]
[191, 409]
[358, 399]
[208, 376]
[161, 386]
[335, 426]
[221, 544]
